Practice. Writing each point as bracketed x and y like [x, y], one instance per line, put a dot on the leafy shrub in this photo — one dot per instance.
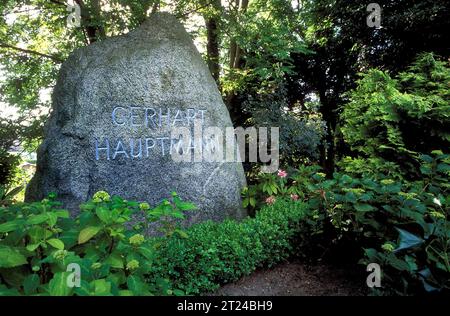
[402, 225]
[374, 168]
[283, 184]
[301, 129]
[397, 119]
[39, 240]
[216, 253]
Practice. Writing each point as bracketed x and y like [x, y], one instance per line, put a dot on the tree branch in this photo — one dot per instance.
[179, 16]
[58, 2]
[32, 52]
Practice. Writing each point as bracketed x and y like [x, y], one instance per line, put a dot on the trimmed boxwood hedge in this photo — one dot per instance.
[216, 253]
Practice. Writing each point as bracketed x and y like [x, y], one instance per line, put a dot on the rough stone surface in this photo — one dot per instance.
[157, 67]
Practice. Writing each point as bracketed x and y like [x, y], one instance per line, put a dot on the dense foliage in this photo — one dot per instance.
[397, 119]
[363, 111]
[401, 225]
[38, 242]
[217, 253]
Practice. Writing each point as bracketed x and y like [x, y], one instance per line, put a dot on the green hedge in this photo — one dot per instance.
[217, 253]
[39, 241]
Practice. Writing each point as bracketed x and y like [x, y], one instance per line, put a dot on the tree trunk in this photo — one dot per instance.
[235, 54]
[94, 31]
[212, 46]
[235, 50]
[327, 150]
[239, 51]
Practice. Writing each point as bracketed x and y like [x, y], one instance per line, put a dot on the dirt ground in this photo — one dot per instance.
[298, 279]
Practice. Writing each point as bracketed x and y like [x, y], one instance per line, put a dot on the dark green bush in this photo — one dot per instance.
[8, 164]
[217, 253]
[9, 136]
[397, 119]
[402, 225]
[301, 129]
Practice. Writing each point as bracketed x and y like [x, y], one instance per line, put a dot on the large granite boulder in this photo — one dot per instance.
[114, 106]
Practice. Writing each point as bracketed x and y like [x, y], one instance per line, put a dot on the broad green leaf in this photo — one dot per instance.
[4, 291]
[186, 206]
[350, 197]
[89, 206]
[101, 287]
[8, 226]
[426, 158]
[392, 188]
[58, 286]
[115, 261]
[407, 240]
[56, 243]
[177, 214]
[181, 233]
[146, 252]
[37, 219]
[364, 207]
[411, 263]
[397, 263]
[117, 278]
[69, 238]
[437, 152]
[10, 257]
[103, 213]
[14, 276]
[32, 247]
[425, 276]
[135, 285]
[179, 293]
[30, 284]
[371, 254]
[84, 289]
[52, 218]
[37, 233]
[425, 170]
[125, 293]
[62, 213]
[443, 167]
[88, 233]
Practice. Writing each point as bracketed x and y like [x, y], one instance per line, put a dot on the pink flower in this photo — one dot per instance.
[270, 200]
[282, 173]
[294, 197]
